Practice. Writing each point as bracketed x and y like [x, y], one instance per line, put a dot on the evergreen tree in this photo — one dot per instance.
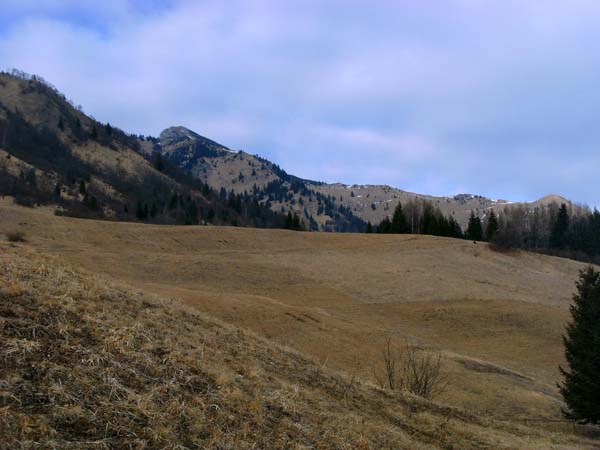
[581, 387]
[289, 221]
[474, 230]
[173, 202]
[399, 224]
[30, 177]
[594, 233]
[108, 129]
[369, 227]
[558, 237]
[93, 203]
[61, 124]
[454, 228]
[385, 226]
[82, 187]
[139, 211]
[296, 223]
[159, 163]
[191, 213]
[429, 221]
[57, 190]
[94, 132]
[492, 226]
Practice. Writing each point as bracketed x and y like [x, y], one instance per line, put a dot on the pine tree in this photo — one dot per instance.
[57, 190]
[558, 237]
[474, 230]
[492, 226]
[296, 223]
[385, 226]
[139, 211]
[289, 221]
[31, 178]
[581, 387]
[159, 163]
[191, 213]
[369, 227]
[173, 202]
[108, 129]
[61, 124]
[454, 228]
[82, 187]
[399, 224]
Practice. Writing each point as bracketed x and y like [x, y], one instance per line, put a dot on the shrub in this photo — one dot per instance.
[15, 236]
[418, 372]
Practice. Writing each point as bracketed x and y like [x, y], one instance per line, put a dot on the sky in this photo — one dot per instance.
[440, 97]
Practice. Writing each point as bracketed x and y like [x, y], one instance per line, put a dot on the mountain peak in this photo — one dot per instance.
[177, 135]
[552, 198]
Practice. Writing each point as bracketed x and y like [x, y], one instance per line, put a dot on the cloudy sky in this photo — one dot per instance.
[499, 98]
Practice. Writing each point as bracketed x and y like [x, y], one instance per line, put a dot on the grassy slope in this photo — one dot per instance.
[90, 365]
[497, 318]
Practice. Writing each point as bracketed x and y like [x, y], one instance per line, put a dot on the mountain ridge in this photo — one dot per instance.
[368, 202]
[54, 153]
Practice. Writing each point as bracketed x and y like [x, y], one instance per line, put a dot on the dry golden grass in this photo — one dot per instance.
[496, 318]
[90, 365]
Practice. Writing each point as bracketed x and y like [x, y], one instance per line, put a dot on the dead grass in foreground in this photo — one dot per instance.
[86, 365]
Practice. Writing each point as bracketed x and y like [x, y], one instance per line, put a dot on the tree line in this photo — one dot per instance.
[418, 217]
[564, 230]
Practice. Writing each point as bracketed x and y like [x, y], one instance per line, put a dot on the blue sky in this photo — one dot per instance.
[440, 97]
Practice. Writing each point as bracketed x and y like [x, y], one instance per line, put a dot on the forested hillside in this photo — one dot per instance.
[52, 153]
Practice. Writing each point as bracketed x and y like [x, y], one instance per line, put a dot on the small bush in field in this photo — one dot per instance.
[15, 236]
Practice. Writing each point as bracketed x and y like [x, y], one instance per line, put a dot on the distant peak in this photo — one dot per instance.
[178, 133]
[173, 136]
[552, 198]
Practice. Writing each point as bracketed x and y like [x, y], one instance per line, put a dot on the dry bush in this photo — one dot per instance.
[15, 236]
[408, 369]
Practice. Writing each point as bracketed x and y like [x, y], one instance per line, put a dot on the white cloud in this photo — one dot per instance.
[463, 94]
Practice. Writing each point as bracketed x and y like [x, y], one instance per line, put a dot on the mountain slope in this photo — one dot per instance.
[90, 365]
[247, 174]
[50, 152]
[336, 296]
[330, 207]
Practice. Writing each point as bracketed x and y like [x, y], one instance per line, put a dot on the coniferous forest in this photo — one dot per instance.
[419, 217]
